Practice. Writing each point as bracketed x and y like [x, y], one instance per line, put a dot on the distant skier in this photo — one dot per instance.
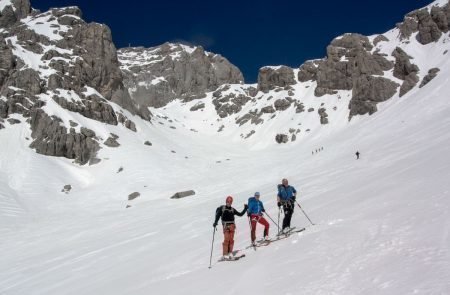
[255, 212]
[226, 213]
[286, 198]
[357, 155]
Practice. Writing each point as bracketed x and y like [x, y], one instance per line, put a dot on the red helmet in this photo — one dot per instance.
[229, 199]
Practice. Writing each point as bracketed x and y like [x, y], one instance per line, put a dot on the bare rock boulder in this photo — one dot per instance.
[183, 194]
[281, 138]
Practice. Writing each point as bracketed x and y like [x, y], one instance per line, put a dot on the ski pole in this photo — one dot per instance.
[272, 220]
[278, 224]
[212, 247]
[304, 212]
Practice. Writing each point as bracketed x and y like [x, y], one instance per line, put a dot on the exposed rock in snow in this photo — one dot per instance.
[183, 194]
[432, 73]
[271, 77]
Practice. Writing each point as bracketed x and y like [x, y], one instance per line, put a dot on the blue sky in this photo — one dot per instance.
[250, 34]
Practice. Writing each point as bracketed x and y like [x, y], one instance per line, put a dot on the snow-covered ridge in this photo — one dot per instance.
[439, 3]
[273, 67]
[140, 56]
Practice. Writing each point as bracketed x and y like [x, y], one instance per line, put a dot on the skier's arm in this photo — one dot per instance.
[218, 211]
[242, 212]
[294, 194]
[279, 196]
[279, 192]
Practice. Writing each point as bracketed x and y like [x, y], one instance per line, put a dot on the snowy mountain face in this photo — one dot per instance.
[158, 75]
[151, 133]
[358, 73]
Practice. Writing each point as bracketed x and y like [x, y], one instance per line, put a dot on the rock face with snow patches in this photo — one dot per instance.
[351, 65]
[158, 75]
[55, 59]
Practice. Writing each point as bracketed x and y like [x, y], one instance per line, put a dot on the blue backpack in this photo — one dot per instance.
[286, 193]
[254, 206]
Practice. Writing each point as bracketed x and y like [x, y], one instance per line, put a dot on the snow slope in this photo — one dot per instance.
[382, 222]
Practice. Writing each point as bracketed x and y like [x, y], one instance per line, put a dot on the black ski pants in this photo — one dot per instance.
[288, 209]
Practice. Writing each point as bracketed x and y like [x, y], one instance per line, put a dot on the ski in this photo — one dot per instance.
[286, 232]
[298, 230]
[262, 243]
[293, 231]
[233, 258]
[258, 243]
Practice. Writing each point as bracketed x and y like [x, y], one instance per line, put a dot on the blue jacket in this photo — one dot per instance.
[255, 206]
[286, 193]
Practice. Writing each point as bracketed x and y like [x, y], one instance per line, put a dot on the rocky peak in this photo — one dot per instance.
[157, 75]
[429, 22]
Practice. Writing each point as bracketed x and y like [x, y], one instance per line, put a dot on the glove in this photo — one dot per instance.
[214, 224]
[279, 204]
[293, 199]
[263, 210]
[245, 206]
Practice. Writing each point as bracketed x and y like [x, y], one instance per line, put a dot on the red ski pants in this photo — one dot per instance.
[228, 238]
[258, 219]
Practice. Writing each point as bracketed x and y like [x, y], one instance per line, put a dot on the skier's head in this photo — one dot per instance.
[257, 194]
[229, 200]
[284, 182]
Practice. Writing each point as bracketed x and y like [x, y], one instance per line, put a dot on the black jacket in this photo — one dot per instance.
[227, 214]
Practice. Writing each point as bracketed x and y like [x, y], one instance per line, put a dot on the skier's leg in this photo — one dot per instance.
[231, 244]
[266, 225]
[226, 240]
[285, 219]
[253, 233]
[288, 215]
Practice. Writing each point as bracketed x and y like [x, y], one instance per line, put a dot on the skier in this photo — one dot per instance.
[255, 212]
[286, 198]
[357, 155]
[226, 213]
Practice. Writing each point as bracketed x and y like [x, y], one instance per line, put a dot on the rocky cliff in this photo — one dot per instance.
[158, 75]
[355, 62]
[56, 57]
